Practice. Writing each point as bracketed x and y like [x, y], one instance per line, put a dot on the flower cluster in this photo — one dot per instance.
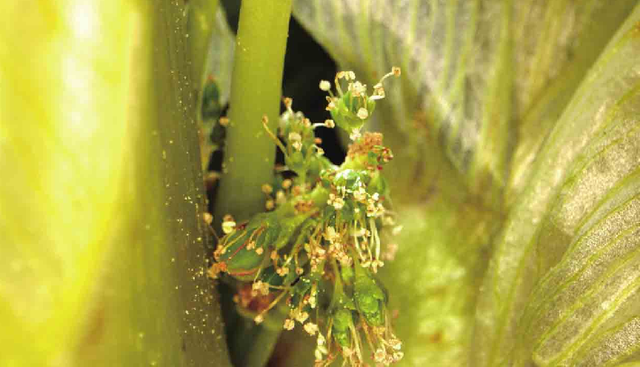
[351, 109]
[317, 248]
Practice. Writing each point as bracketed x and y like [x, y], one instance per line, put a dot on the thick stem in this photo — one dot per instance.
[255, 92]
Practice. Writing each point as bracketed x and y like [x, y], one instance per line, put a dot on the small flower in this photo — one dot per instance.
[329, 123]
[349, 75]
[288, 102]
[282, 271]
[216, 269]
[363, 113]
[321, 349]
[259, 250]
[330, 234]
[355, 134]
[295, 140]
[260, 287]
[258, 319]
[325, 85]
[286, 184]
[251, 245]
[380, 355]
[357, 89]
[267, 189]
[313, 301]
[270, 204]
[397, 356]
[223, 121]
[378, 92]
[311, 328]
[335, 201]
[395, 344]
[228, 224]
[396, 71]
[360, 194]
[289, 324]
[280, 197]
[330, 106]
[301, 317]
[375, 264]
[321, 340]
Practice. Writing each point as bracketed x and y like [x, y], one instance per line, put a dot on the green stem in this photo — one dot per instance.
[249, 152]
[256, 89]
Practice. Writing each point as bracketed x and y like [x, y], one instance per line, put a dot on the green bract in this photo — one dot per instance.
[369, 297]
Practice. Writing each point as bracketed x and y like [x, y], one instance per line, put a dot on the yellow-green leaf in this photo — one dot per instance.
[101, 197]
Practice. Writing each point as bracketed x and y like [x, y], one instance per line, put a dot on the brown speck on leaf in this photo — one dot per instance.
[436, 337]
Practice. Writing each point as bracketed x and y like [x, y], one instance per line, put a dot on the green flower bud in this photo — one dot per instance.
[369, 297]
[347, 111]
[342, 322]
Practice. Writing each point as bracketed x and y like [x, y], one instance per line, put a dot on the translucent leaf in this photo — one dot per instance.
[219, 64]
[473, 125]
[562, 284]
[472, 70]
[101, 197]
[220, 59]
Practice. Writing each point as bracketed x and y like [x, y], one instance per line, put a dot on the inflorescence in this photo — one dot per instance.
[317, 247]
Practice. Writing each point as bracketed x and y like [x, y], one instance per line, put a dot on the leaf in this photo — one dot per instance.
[101, 198]
[220, 58]
[472, 69]
[473, 125]
[562, 286]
